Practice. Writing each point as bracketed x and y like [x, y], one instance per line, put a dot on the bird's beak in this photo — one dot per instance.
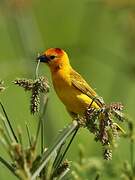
[43, 58]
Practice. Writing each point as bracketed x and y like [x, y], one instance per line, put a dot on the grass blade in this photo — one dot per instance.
[8, 121]
[64, 174]
[57, 156]
[28, 134]
[62, 157]
[8, 131]
[8, 166]
[54, 147]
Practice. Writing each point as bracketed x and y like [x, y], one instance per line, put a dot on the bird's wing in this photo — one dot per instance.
[79, 83]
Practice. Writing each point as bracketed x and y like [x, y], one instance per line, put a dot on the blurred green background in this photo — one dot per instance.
[98, 35]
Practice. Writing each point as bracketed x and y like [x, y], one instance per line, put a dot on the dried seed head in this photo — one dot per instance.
[2, 88]
[35, 101]
[16, 148]
[101, 122]
[42, 84]
[27, 84]
[37, 86]
[107, 154]
[81, 121]
[114, 130]
[63, 167]
[116, 106]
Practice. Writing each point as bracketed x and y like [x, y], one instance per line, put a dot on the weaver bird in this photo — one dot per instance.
[69, 85]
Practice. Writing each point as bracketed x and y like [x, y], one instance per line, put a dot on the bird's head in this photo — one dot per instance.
[54, 57]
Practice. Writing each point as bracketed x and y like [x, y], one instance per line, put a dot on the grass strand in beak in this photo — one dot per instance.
[37, 67]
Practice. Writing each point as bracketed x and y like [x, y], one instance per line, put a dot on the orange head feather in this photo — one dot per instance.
[55, 58]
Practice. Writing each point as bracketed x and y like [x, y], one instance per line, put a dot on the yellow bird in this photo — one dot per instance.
[69, 85]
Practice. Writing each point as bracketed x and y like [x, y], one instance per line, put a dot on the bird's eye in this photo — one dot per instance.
[52, 57]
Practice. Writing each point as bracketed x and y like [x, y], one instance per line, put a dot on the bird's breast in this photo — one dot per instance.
[73, 99]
